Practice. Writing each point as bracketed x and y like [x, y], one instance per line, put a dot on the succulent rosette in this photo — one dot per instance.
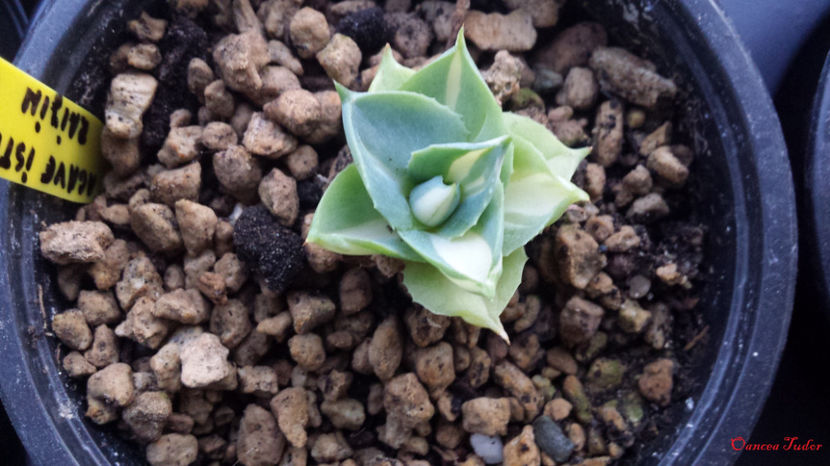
[447, 182]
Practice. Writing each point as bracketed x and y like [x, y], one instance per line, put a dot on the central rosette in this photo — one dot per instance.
[445, 181]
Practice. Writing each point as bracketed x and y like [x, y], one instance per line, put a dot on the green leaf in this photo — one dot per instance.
[430, 288]
[534, 197]
[345, 222]
[391, 74]
[474, 166]
[473, 260]
[454, 80]
[560, 159]
[383, 129]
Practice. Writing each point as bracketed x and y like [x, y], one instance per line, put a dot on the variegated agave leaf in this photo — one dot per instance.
[446, 181]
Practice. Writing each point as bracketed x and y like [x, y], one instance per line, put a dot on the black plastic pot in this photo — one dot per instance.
[12, 27]
[745, 199]
[816, 179]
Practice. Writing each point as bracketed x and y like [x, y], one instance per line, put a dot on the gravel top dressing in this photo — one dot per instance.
[208, 330]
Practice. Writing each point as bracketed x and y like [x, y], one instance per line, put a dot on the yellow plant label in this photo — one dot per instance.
[47, 142]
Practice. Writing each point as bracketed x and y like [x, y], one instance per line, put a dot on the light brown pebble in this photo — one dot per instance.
[558, 409]
[276, 326]
[355, 291]
[238, 172]
[147, 28]
[346, 413]
[72, 329]
[663, 162]
[407, 405]
[656, 381]
[600, 227]
[594, 181]
[276, 80]
[290, 406]
[521, 450]
[297, 110]
[239, 57]
[218, 135]
[259, 441]
[230, 322]
[147, 415]
[386, 348]
[122, 154]
[578, 255]
[435, 367]
[266, 138]
[197, 224]
[204, 361]
[579, 90]
[307, 350]
[199, 75]
[168, 186]
[623, 240]
[278, 192]
[141, 326]
[519, 385]
[130, 96]
[513, 32]
[579, 320]
[412, 35]
[77, 366]
[166, 365]
[302, 163]
[112, 384]
[425, 328]
[282, 55]
[486, 416]
[98, 307]
[309, 310]
[173, 450]
[330, 447]
[659, 137]
[630, 77]
[181, 146]
[73, 242]
[608, 140]
[573, 46]
[218, 100]
[185, 306]
[104, 348]
[309, 32]
[341, 59]
[648, 208]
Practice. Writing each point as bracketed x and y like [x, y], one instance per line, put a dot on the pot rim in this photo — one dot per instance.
[742, 374]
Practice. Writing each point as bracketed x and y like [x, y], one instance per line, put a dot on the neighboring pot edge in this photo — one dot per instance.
[761, 299]
[816, 179]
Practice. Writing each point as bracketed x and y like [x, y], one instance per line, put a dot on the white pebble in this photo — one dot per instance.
[487, 448]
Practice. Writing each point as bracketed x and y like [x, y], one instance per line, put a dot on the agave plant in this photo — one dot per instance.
[447, 182]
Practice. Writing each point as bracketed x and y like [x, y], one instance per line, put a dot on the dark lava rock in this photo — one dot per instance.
[270, 248]
[183, 41]
[367, 28]
[310, 191]
[551, 439]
